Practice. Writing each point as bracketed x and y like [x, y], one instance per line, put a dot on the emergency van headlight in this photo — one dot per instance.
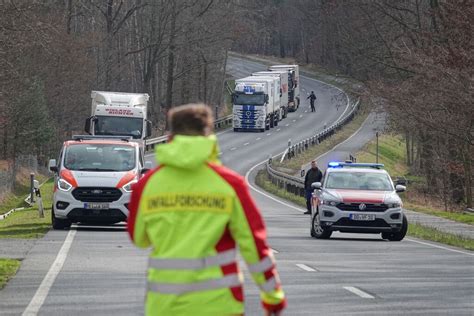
[330, 202]
[63, 185]
[128, 187]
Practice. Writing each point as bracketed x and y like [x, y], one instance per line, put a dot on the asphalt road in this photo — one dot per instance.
[96, 270]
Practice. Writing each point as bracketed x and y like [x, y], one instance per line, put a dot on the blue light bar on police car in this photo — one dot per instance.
[338, 164]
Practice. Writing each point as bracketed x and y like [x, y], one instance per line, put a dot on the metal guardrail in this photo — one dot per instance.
[294, 184]
[219, 123]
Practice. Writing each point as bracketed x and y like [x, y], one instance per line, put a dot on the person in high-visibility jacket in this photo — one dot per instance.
[195, 213]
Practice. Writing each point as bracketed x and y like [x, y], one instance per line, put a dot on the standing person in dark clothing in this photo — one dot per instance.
[313, 175]
[312, 98]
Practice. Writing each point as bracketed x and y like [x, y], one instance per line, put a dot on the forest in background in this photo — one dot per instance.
[415, 55]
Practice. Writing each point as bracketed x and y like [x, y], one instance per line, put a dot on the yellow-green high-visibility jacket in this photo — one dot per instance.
[194, 213]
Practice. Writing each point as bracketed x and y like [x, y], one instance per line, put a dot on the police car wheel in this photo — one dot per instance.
[398, 236]
[59, 223]
[317, 231]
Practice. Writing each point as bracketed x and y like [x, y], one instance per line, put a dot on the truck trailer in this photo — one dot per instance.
[293, 84]
[283, 92]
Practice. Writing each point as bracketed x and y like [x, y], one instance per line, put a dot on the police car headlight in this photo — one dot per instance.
[330, 202]
[63, 185]
[128, 187]
[394, 205]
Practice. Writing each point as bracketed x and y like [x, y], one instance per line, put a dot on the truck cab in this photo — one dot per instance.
[119, 114]
[254, 104]
[293, 84]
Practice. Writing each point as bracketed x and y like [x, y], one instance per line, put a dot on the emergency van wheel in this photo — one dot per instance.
[59, 223]
[398, 236]
[317, 231]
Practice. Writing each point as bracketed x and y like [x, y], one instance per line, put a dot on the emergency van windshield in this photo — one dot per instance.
[116, 125]
[249, 99]
[99, 157]
[359, 181]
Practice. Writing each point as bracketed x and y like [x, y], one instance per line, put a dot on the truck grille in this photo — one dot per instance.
[354, 207]
[94, 194]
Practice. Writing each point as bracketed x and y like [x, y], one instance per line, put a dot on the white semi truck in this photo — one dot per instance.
[119, 113]
[293, 84]
[283, 92]
[254, 106]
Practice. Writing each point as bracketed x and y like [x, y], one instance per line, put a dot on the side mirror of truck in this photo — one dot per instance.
[148, 128]
[52, 165]
[266, 98]
[87, 125]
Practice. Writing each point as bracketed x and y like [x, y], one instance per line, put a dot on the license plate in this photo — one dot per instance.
[96, 206]
[362, 217]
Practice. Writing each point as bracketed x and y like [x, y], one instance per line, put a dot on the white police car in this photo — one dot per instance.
[357, 198]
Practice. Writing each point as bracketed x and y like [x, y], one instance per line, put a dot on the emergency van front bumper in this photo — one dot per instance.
[98, 209]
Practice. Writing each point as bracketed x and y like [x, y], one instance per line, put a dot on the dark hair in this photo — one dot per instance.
[191, 119]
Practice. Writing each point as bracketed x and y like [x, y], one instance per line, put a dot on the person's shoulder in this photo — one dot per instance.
[228, 174]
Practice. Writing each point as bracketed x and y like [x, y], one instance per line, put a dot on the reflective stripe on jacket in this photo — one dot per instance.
[194, 213]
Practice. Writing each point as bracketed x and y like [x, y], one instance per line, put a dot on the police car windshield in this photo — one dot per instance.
[249, 99]
[116, 125]
[359, 181]
[99, 157]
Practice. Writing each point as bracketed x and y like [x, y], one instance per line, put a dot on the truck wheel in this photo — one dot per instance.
[317, 231]
[58, 223]
[297, 103]
[398, 236]
[272, 121]
[276, 121]
[262, 130]
[236, 129]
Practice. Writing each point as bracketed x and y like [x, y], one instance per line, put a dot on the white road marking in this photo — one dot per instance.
[220, 153]
[301, 115]
[287, 125]
[306, 111]
[294, 120]
[279, 129]
[440, 247]
[268, 134]
[305, 267]
[233, 148]
[246, 144]
[259, 138]
[275, 251]
[358, 292]
[43, 290]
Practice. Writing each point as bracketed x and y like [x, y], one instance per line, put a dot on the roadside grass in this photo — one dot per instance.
[27, 223]
[392, 153]
[294, 165]
[8, 268]
[16, 198]
[454, 216]
[414, 230]
[432, 234]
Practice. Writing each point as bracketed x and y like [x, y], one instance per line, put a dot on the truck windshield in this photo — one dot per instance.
[249, 99]
[359, 181]
[116, 125]
[100, 157]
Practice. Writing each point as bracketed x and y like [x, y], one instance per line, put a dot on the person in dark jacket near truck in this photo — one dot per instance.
[313, 175]
[312, 98]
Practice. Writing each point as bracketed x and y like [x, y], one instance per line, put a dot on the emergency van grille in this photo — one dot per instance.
[355, 207]
[95, 194]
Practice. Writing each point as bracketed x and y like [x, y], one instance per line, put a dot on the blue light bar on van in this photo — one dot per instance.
[337, 164]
